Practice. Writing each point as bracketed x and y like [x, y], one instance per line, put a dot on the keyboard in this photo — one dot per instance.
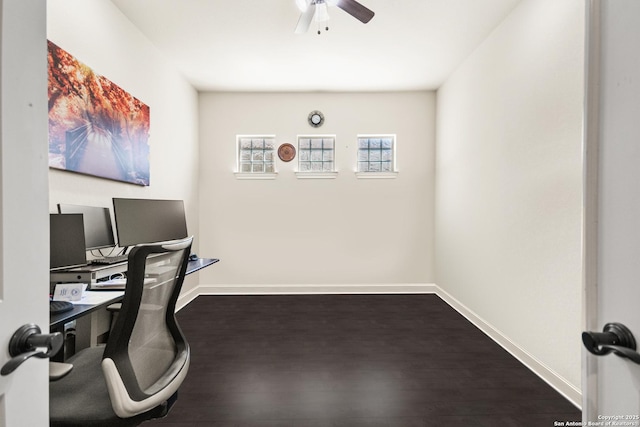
[109, 260]
[57, 307]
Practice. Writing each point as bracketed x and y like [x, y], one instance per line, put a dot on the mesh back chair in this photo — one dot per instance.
[137, 375]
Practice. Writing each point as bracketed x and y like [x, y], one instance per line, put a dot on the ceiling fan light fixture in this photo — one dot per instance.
[302, 5]
[322, 14]
[317, 10]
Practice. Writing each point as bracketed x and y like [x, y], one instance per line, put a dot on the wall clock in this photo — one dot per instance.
[286, 152]
[316, 119]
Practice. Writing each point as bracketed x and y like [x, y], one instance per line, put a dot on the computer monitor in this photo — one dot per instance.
[98, 232]
[148, 220]
[66, 241]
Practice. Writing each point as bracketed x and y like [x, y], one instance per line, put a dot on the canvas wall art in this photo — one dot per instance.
[95, 126]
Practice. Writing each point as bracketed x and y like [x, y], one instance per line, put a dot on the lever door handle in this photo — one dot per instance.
[616, 338]
[28, 342]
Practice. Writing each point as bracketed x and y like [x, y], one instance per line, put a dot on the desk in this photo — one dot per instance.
[91, 320]
[199, 264]
[94, 273]
[58, 320]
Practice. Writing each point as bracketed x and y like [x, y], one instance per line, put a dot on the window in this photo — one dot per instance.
[376, 153]
[316, 156]
[256, 154]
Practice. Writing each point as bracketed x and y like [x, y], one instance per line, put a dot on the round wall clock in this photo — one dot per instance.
[315, 119]
[286, 152]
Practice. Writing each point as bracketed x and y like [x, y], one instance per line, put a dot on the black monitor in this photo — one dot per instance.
[148, 220]
[98, 232]
[66, 241]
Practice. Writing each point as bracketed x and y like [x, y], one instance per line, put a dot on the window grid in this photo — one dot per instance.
[316, 154]
[256, 154]
[375, 154]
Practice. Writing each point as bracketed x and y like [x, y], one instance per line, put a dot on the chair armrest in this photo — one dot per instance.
[58, 370]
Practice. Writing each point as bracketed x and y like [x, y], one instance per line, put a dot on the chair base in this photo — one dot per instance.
[65, 410]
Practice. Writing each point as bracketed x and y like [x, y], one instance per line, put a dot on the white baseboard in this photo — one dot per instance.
[187, 297]
[561, 385]
[407, 288]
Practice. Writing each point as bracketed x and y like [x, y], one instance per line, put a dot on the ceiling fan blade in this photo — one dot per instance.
[305, 19]
[355, 9]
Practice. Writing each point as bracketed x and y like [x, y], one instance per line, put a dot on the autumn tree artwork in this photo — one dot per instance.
[95, 127]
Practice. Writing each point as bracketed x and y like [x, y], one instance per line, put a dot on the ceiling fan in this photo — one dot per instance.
[318, 9]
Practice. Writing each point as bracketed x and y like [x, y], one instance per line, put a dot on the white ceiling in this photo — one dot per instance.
[250, 45]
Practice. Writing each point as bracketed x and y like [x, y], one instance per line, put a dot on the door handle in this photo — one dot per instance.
[616, 338]
[28, 342]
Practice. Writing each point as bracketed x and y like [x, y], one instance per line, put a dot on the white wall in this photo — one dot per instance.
[98, 35]
[507, 191]
[508, 182]
[313, 232]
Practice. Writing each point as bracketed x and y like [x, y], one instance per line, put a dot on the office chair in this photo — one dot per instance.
[137, 375]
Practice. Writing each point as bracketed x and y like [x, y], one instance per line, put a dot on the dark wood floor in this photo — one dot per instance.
[351, 360]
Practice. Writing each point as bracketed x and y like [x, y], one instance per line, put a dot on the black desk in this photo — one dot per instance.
[57, 321]
[81, 312]
[199, 264]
